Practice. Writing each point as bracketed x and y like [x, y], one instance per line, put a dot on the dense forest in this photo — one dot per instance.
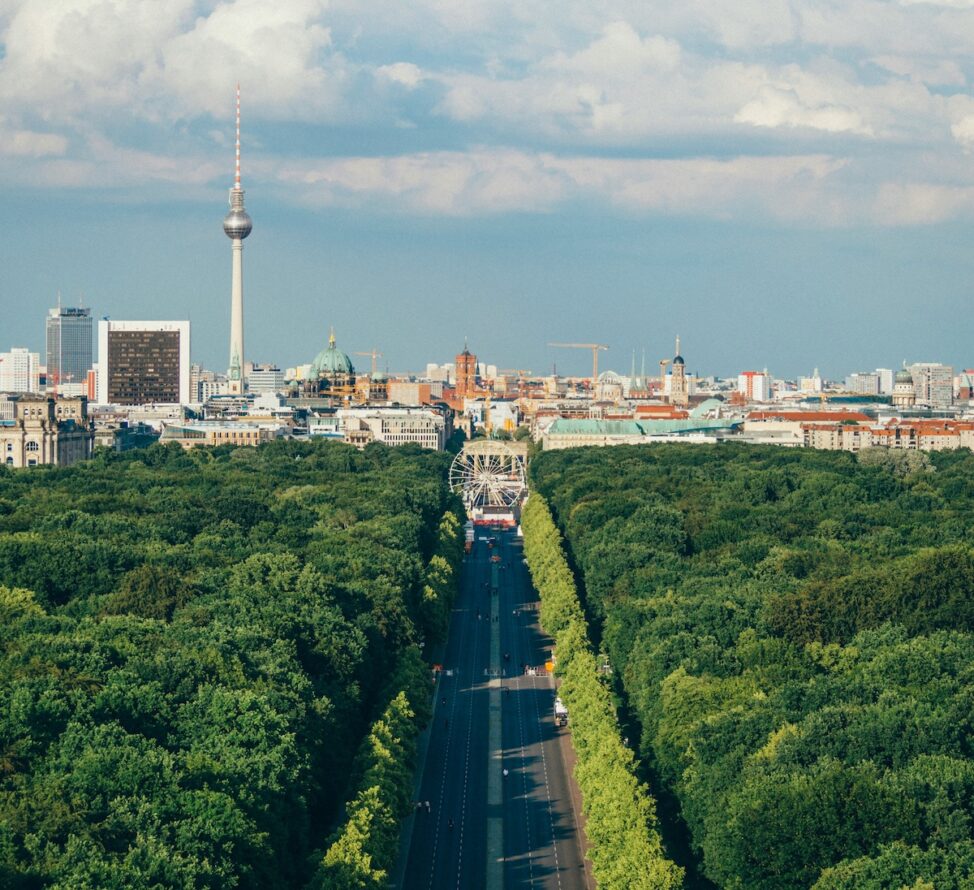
[200, 652]
[794, 633]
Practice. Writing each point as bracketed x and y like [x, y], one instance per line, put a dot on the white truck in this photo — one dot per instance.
[561, 713]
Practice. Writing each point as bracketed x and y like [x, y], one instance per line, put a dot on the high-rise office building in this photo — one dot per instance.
[68, 347]
[885, 380]
[143, 362]
[20, 370]
[863, 383]
[933, 384]
[237, 225]
[755, 386]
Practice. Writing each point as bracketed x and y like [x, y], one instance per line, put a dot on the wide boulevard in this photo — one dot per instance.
[495, 806]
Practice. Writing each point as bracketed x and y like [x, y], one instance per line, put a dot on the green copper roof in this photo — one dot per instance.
[570, 427]
[331, 361]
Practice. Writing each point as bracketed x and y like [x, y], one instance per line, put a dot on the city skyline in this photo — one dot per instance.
[785, 188]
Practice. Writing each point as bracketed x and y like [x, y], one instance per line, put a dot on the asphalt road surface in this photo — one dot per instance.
[449, 838]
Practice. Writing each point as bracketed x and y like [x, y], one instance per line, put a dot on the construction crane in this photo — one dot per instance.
[662, 375]
[595, 347]
[375, 354]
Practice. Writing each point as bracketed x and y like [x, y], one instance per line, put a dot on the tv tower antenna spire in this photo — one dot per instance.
[236, 179]
[237, 225]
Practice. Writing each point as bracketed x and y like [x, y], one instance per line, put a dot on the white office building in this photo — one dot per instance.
[755, 386]
[265, 378]
[863, 383]
[20, 370]
[933, 384]
[885, 380]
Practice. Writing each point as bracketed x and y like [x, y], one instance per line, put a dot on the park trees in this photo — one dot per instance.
[193, 646]
[793, 632]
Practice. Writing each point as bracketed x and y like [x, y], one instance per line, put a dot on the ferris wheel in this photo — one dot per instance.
[488, 473]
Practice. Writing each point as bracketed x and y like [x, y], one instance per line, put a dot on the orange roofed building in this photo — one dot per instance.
[922, 435]
[660, 412]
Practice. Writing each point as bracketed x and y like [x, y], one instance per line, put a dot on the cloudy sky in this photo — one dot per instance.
[784, 183]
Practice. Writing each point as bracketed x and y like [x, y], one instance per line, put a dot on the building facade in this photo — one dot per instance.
[933, 384]
[904, 392]
[466, 373]
[679, 390]
[863, 383]
[68, 340]
[395, 426]
[45, 430]
[266, 378]
[215, 432]
[143, 362]
[755, 386]
[20, 370]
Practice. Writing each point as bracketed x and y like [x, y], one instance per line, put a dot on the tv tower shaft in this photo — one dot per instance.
[237, 225]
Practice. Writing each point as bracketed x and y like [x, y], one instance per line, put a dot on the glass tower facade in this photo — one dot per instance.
[68, 346]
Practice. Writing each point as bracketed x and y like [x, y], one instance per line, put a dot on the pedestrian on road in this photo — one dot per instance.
[505, 772]
[427, 806]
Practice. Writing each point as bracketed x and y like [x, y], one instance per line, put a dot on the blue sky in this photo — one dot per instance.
[784, 183]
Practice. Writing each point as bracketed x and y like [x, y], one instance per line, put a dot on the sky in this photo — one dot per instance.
[786, 184]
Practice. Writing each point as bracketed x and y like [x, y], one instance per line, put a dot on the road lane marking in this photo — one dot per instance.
[547, 791]
[446, 754]
[466, 761]
[494, 873]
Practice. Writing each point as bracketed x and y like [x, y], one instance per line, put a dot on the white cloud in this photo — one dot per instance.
[953, 4]
[620, 52]
[404, 73]
[123, 92]
[963, 131]
[936, 72]
[920, 203]
[27, 143]
[782, 107]
[503, 181]
[167, 60]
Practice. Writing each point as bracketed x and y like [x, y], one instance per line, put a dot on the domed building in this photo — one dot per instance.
[679, 390]
[904, 392]
[331, 369]
[372, 387]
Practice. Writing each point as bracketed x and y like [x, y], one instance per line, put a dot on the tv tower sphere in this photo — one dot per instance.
[237, 223]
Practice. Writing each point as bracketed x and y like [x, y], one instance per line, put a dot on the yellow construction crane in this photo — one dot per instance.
[375, 354]
[595, 347]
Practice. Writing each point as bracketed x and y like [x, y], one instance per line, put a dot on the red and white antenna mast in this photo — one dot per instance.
[236, 179]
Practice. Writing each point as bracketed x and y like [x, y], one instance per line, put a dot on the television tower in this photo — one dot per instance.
[237, 225]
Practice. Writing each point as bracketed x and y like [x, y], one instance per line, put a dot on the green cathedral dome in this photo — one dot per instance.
[331, 361]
